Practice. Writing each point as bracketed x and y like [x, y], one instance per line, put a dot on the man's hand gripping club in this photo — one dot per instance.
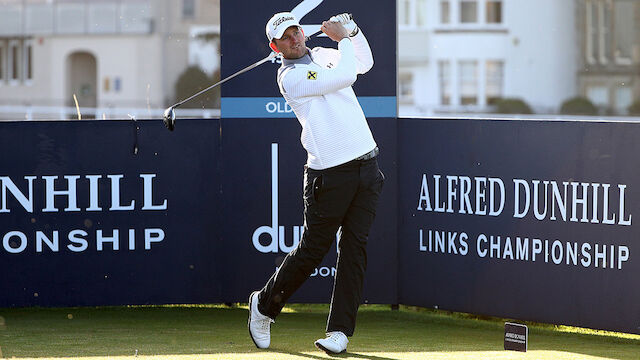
[346, 20]
[339, 27]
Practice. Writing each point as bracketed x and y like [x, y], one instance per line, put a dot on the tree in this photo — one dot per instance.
[634, 109]
[578, 106]
[192, 80]
[512, 106]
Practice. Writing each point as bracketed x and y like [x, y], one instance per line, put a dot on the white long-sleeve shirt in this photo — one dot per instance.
[317, 87]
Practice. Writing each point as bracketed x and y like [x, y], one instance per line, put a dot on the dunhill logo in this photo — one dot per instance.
[82, 195]
[275, 233]
[30, 204]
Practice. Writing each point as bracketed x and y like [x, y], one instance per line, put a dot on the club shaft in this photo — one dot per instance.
[271, 56]
[320, 31]
[314, 34]
[268, 58]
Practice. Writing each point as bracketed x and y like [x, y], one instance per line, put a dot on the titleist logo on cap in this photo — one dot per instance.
[281, 20]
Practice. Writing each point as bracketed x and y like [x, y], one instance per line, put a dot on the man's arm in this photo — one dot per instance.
[303, 81]
[363, 53]
[364, 57]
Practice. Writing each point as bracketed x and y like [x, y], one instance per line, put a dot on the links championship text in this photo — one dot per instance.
[532, 200]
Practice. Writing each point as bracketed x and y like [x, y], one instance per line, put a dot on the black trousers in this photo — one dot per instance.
[343, 196]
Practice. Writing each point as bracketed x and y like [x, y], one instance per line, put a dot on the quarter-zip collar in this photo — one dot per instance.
[306, 60]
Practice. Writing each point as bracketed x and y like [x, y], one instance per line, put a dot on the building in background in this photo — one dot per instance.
[115, 56]
[609, 59]
[460, 56]
[454, 56]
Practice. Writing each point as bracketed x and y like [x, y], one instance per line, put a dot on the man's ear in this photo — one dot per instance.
[273, 47]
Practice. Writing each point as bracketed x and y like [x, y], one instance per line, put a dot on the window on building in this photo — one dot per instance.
[623, 30]
[624, 98]
[493, 11]
[444, 78]
[28, 60]
[468, 76]
[404, 12]
[421, 13]
[495, 79]
[3, 62]
[135, 17]
[14, 61]
[188, 9]
[405, 88]
[445, 12]
[591, 13]
[412, 13]
[604, 10]
[599, 95]
[468, 11]
[600, 32]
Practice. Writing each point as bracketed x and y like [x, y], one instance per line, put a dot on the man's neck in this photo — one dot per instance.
[304, 59]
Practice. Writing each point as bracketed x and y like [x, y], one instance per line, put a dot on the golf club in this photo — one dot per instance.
[170, 115]
[169, 118]
[320, 31]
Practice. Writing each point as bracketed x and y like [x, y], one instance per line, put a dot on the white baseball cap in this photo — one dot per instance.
[279, 23]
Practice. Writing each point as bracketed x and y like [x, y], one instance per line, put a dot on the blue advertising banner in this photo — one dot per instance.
[532, 220]
[255, 94]
[122, 212]
[262, 165]
[85, 219]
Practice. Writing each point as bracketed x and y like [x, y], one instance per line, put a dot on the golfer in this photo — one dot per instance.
[342, 182]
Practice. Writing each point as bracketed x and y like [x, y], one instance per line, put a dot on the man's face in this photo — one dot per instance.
[292, 43]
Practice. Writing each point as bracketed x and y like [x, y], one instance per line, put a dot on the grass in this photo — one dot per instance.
[219, 332]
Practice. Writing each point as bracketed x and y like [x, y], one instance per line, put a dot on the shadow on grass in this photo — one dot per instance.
[336, 356]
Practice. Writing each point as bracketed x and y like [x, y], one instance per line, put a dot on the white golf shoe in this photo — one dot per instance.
[259, 325]
[334, 343]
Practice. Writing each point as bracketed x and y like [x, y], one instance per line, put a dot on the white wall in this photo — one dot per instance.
[135, 61]
[543, 66]
[537, 42]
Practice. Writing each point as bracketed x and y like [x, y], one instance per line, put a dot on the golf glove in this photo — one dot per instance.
[346, 20]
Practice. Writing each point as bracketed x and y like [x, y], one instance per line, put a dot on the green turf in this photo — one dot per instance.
[219, 332]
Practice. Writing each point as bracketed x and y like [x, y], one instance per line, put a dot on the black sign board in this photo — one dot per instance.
[516, 337]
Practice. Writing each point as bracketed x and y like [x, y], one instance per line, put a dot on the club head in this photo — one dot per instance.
[169, 119]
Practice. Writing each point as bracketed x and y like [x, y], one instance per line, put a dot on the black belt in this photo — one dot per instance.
[370, 155]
